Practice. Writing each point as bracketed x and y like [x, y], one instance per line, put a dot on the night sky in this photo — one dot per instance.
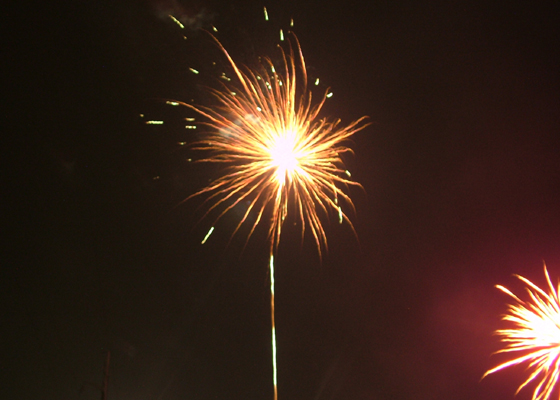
[461, 188]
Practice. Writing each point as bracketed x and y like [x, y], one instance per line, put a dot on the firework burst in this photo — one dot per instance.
[279, 155]
[534, 336]
[267, 132]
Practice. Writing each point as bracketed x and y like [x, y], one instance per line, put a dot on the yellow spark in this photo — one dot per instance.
[207, 235]
[329, 95]
[214, 29]
[535, 332]
[194, 71]
[265, 14]
[340, 215]
[190, 126]
[172, 103]
[317, 82]
[181, 143]
[348, 174]
[292, 22]
[154, 122]
[276, 149]
[281, 35]
[141, 115]
[177, 21]
[190, 119]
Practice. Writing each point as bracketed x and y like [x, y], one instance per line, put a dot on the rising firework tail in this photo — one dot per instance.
[533, 336]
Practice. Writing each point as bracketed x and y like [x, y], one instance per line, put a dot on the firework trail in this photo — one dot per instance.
[535, 333]
[277, 152]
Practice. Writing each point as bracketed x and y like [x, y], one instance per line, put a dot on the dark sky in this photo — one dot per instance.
[460, 170]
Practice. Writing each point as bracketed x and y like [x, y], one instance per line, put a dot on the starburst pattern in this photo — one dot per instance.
[534, 336]
[276, 148]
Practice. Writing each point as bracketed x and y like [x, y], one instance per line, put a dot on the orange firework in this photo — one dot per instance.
[279, 154]
[276, 148]
[536, 334]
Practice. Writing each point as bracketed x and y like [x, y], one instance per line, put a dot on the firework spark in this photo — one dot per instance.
[278, 153]
[536, 334]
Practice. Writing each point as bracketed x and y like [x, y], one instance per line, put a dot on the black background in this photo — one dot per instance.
[460, 174]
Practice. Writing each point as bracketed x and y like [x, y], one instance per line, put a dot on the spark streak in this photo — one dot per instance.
[535, 333]
[177, 22]
[207, 235]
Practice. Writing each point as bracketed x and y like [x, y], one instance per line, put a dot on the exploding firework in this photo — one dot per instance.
[535, 334]
[276, 148]
[278, 154]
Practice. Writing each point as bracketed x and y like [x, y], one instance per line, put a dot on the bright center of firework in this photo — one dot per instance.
[284, 155]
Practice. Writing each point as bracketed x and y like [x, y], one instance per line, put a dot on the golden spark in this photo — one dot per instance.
[535, 333]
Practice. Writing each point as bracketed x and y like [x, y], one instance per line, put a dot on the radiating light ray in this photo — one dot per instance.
[535, 333]
[279, 155]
